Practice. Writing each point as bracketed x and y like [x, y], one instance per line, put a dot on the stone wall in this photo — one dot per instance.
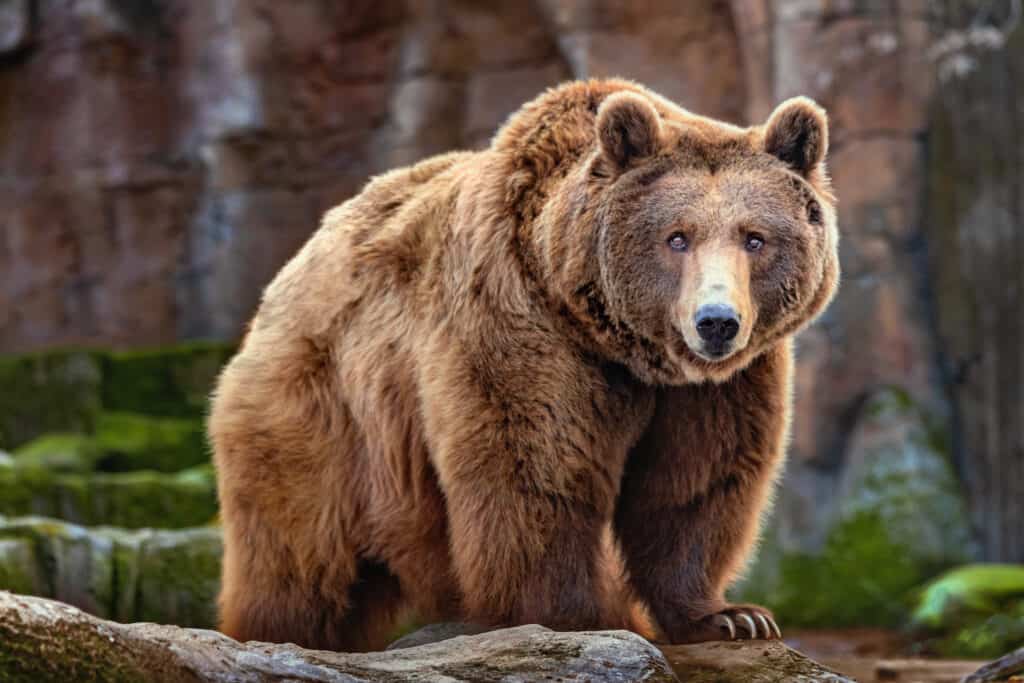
[160, 159]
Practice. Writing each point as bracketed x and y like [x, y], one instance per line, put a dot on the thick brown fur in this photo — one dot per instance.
[476, 392]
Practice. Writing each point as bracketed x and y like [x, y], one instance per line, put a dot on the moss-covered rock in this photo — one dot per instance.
[123, 442]
[60, 453]
[171, 382]
[57, 391]
[130, 441]
[75, 564]
[975, 611]
[146, 575]
[19, 571]
[133, 499]
[178, 577]
[897, 518]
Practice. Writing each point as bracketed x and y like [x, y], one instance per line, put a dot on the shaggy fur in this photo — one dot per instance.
[476, 392]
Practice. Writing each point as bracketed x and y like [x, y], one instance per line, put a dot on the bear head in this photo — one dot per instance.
[688, 246]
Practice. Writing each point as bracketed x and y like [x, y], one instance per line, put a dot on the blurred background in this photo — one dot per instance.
[161, 159]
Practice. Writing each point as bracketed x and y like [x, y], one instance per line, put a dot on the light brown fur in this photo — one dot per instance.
[472, 394]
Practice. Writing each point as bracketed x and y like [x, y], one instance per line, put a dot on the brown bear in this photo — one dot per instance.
[545, 382]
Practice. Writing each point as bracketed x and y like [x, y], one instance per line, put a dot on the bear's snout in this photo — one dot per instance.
[717, 325]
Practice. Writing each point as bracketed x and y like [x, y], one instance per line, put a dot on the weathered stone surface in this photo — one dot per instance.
[44, 640]
[152, 575]
[750, 662]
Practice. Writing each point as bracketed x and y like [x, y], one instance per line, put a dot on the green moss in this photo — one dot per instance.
[179, 577]
[133, 500]
[56, 391]
[975, 611]
[172, 382]
[132, 442]
[19, 571]
[59, 453]
[151, 499]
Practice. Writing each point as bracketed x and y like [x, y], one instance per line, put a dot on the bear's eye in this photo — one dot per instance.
[677, 241]
[754, 242]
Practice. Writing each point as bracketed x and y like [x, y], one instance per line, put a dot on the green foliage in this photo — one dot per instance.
[171, 382]
[58, 391]
[973, 611]
[59, 453]
[860, 578]
[132, 442]
[132, 500]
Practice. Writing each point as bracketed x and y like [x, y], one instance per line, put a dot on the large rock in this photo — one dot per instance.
[44, 640]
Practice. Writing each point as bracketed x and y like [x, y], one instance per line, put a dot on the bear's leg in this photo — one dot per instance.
[343, 606]
[692, 496]
[529, 465]
[526, 557]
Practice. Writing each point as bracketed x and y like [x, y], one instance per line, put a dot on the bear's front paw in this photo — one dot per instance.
[733, 623]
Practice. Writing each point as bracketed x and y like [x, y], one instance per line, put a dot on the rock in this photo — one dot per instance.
[167, 576]
[1005, 666]
[896, 518]
[45, 640]
[127, 499]
[746, 662]
[435, 633]
[975, 611]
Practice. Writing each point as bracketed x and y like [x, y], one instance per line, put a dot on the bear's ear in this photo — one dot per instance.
[628, 129]
[797, 133]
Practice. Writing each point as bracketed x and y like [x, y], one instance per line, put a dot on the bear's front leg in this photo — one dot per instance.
[693, 494]
[529, 449]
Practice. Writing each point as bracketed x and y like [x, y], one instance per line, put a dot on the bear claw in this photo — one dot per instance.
[725, 621]
[748, 623]
[768, 628]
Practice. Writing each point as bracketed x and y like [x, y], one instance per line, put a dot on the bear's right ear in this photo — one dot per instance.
[797, 133]
[628, 129]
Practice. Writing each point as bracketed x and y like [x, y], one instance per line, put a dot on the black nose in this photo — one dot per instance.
[717, 323]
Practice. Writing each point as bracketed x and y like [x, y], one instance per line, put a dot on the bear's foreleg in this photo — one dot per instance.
[529, 461]
[693, 494]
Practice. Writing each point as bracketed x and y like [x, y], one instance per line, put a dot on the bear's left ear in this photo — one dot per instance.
[628, 129]
[797, 133]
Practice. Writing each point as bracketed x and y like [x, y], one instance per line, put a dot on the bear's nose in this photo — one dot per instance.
[717, 323]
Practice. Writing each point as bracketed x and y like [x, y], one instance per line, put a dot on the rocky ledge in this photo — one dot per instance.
[45, 640]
